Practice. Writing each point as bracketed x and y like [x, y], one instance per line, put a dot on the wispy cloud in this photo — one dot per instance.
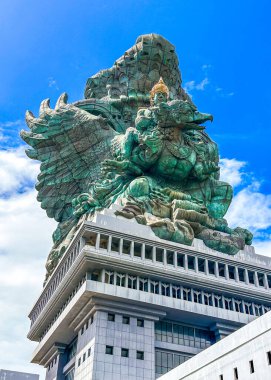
[23, 250]
[52, 83]
[193, 85]
[249, 199]
[17, 172]
[11, 124]
[231, 171]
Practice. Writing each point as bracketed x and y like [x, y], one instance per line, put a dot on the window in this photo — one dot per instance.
[137, 249]
[241, 273]
[165, 361]
[220, 377]
[115, 244]
[89, 352]
[211, 267]
[148, 252]
[140, 322]
[82, 330]
[111, 317]
[140, 355]
[104, 241]
[79, 362]
[84, 357]
[221, 269]
[125, 352]
[170, 257]
[251, 366]
[191, 262]
[180, 260]
[250, 277]
[126, 320]
[235, 371]
[159, 254]
[126, 246]
[261, 279]
[87, 325]
[183, 335]
[231, 272]
[201, 265]
[91, 320]
[91, 239]
[269, 357]
[109, 350]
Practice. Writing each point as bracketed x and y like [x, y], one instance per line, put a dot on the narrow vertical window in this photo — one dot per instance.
[220, 377]
[235, 373]
[251, 366]
[269, 357]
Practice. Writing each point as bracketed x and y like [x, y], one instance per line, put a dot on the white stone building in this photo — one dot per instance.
[123, 303]
[243, 355]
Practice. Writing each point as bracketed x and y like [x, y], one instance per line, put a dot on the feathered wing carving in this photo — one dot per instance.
[71, 144]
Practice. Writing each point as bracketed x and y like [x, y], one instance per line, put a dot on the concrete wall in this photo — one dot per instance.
[218, 362]
[101, 366]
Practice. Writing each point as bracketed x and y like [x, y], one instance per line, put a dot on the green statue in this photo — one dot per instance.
[138, 141]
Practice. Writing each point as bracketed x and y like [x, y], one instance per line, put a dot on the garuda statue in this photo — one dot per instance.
[138, 141]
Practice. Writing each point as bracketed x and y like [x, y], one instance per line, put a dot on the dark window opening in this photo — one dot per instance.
[109, 350]
[140, 322]
[115, 245]
[148, 252]
[241, 274]
[261, 279]
[159, 254]
[137, 249]
[125, 352]
[126, 320]
[211, 267]
[180, 260]
[250, 277]
[111, 317]
[140, 355]
[170, 257]
[231, 272]
[235, 371]
[221, 270]
[269, 357]
[251, 366]
[126, 247]
[191, 262]
[104, 241]
[201, 265]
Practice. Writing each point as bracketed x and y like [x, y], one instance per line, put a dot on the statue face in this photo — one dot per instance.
[159, 97]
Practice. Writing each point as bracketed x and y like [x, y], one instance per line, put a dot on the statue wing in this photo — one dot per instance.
[71, 144]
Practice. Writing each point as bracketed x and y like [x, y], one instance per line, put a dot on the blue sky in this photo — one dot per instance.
[48, 47]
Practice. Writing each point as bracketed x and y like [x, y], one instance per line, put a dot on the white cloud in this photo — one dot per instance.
[52, 83]
[250, 209]
[17, 171]
[193, 85]
[231, 171]
[25, 242]
[11, 124]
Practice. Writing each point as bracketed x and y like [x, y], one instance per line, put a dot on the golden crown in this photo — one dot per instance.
[160, 86]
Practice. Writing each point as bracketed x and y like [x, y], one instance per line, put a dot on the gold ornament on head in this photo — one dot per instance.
[160, 86]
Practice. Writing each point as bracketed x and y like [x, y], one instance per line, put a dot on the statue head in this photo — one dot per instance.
[159, 93]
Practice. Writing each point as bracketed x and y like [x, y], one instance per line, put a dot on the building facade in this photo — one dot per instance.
[243, 355]
[124, 303]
